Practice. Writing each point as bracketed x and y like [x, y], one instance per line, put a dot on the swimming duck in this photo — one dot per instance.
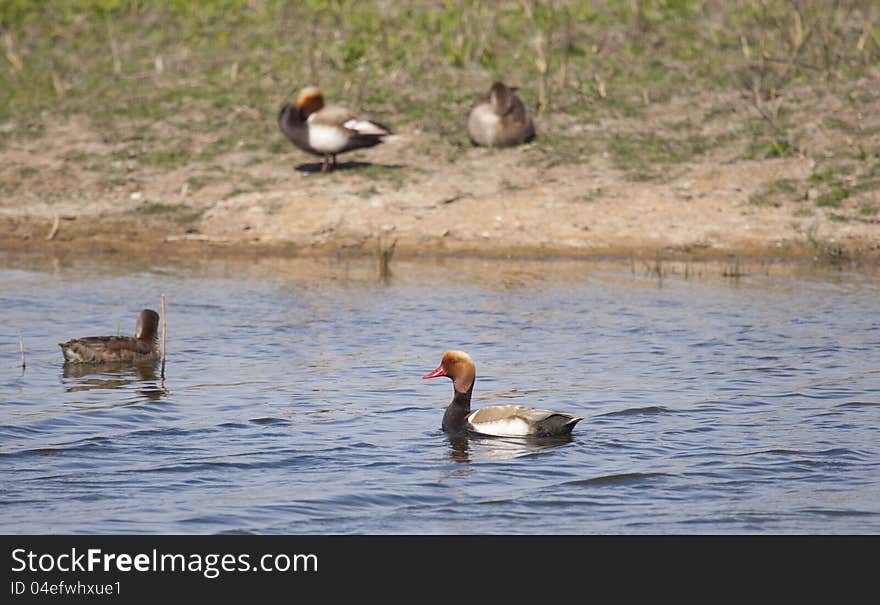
[327, 130]
[142, 347]
[500, 118]
[496, 420]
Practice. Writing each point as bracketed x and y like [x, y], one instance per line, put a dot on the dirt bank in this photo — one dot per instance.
[75, 190]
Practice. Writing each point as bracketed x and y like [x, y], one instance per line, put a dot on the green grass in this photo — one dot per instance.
[394, 176]
[833, 198]
[195, 183]
[588, 198]
[779, 148]
[646, 156]
[776, 148]
[9, 187]
[172, 83]
[841, 181]
[119, 60]
[166, 158]
[185, 217]
[368, 192]
[823, 176]
[774, 194]
[841, 125]
[114, 182]
[865, 154]
[157, 208]
[180, 214]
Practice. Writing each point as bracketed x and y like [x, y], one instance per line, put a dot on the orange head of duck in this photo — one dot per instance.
[458, 366]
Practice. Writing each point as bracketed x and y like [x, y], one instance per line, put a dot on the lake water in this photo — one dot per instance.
[292, 401]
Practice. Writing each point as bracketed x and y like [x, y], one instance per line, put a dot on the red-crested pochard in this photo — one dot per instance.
[327, 130]
[142, 347]
[500, 118]
[497, 420]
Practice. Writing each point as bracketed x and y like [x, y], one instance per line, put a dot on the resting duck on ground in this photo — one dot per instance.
[142, 347]
[500, 118]
[497, 420]
[327, 130]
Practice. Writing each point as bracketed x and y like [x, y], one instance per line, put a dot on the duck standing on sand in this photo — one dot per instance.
[500, 118]
[327, 130]
[496, 420]
[142, 347]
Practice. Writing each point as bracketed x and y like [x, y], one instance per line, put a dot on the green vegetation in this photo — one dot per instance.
[779, 148]
[647, 156]
[156, 208]
[777, 192]
[776, 148]
[152, 59]
[833, 198]
[839, 182]
[170, 83]
[180, 214]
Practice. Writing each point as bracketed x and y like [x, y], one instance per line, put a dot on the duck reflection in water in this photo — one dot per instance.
[114, 375]
[475, 448]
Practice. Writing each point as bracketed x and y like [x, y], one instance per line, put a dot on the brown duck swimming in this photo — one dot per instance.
[500, 118]
[497, 420]
[327, 130]
[142, 347]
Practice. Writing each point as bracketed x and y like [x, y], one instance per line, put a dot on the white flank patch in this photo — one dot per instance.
[483, 125]
[327, 139]
[487, 117]
[364, 127]
[509, 427]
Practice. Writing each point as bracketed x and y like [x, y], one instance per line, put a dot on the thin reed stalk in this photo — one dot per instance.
[164, 331]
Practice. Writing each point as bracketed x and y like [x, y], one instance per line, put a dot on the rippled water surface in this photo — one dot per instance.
[292, 401]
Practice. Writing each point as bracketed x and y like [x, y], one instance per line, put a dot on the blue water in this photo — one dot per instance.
[292, 401]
